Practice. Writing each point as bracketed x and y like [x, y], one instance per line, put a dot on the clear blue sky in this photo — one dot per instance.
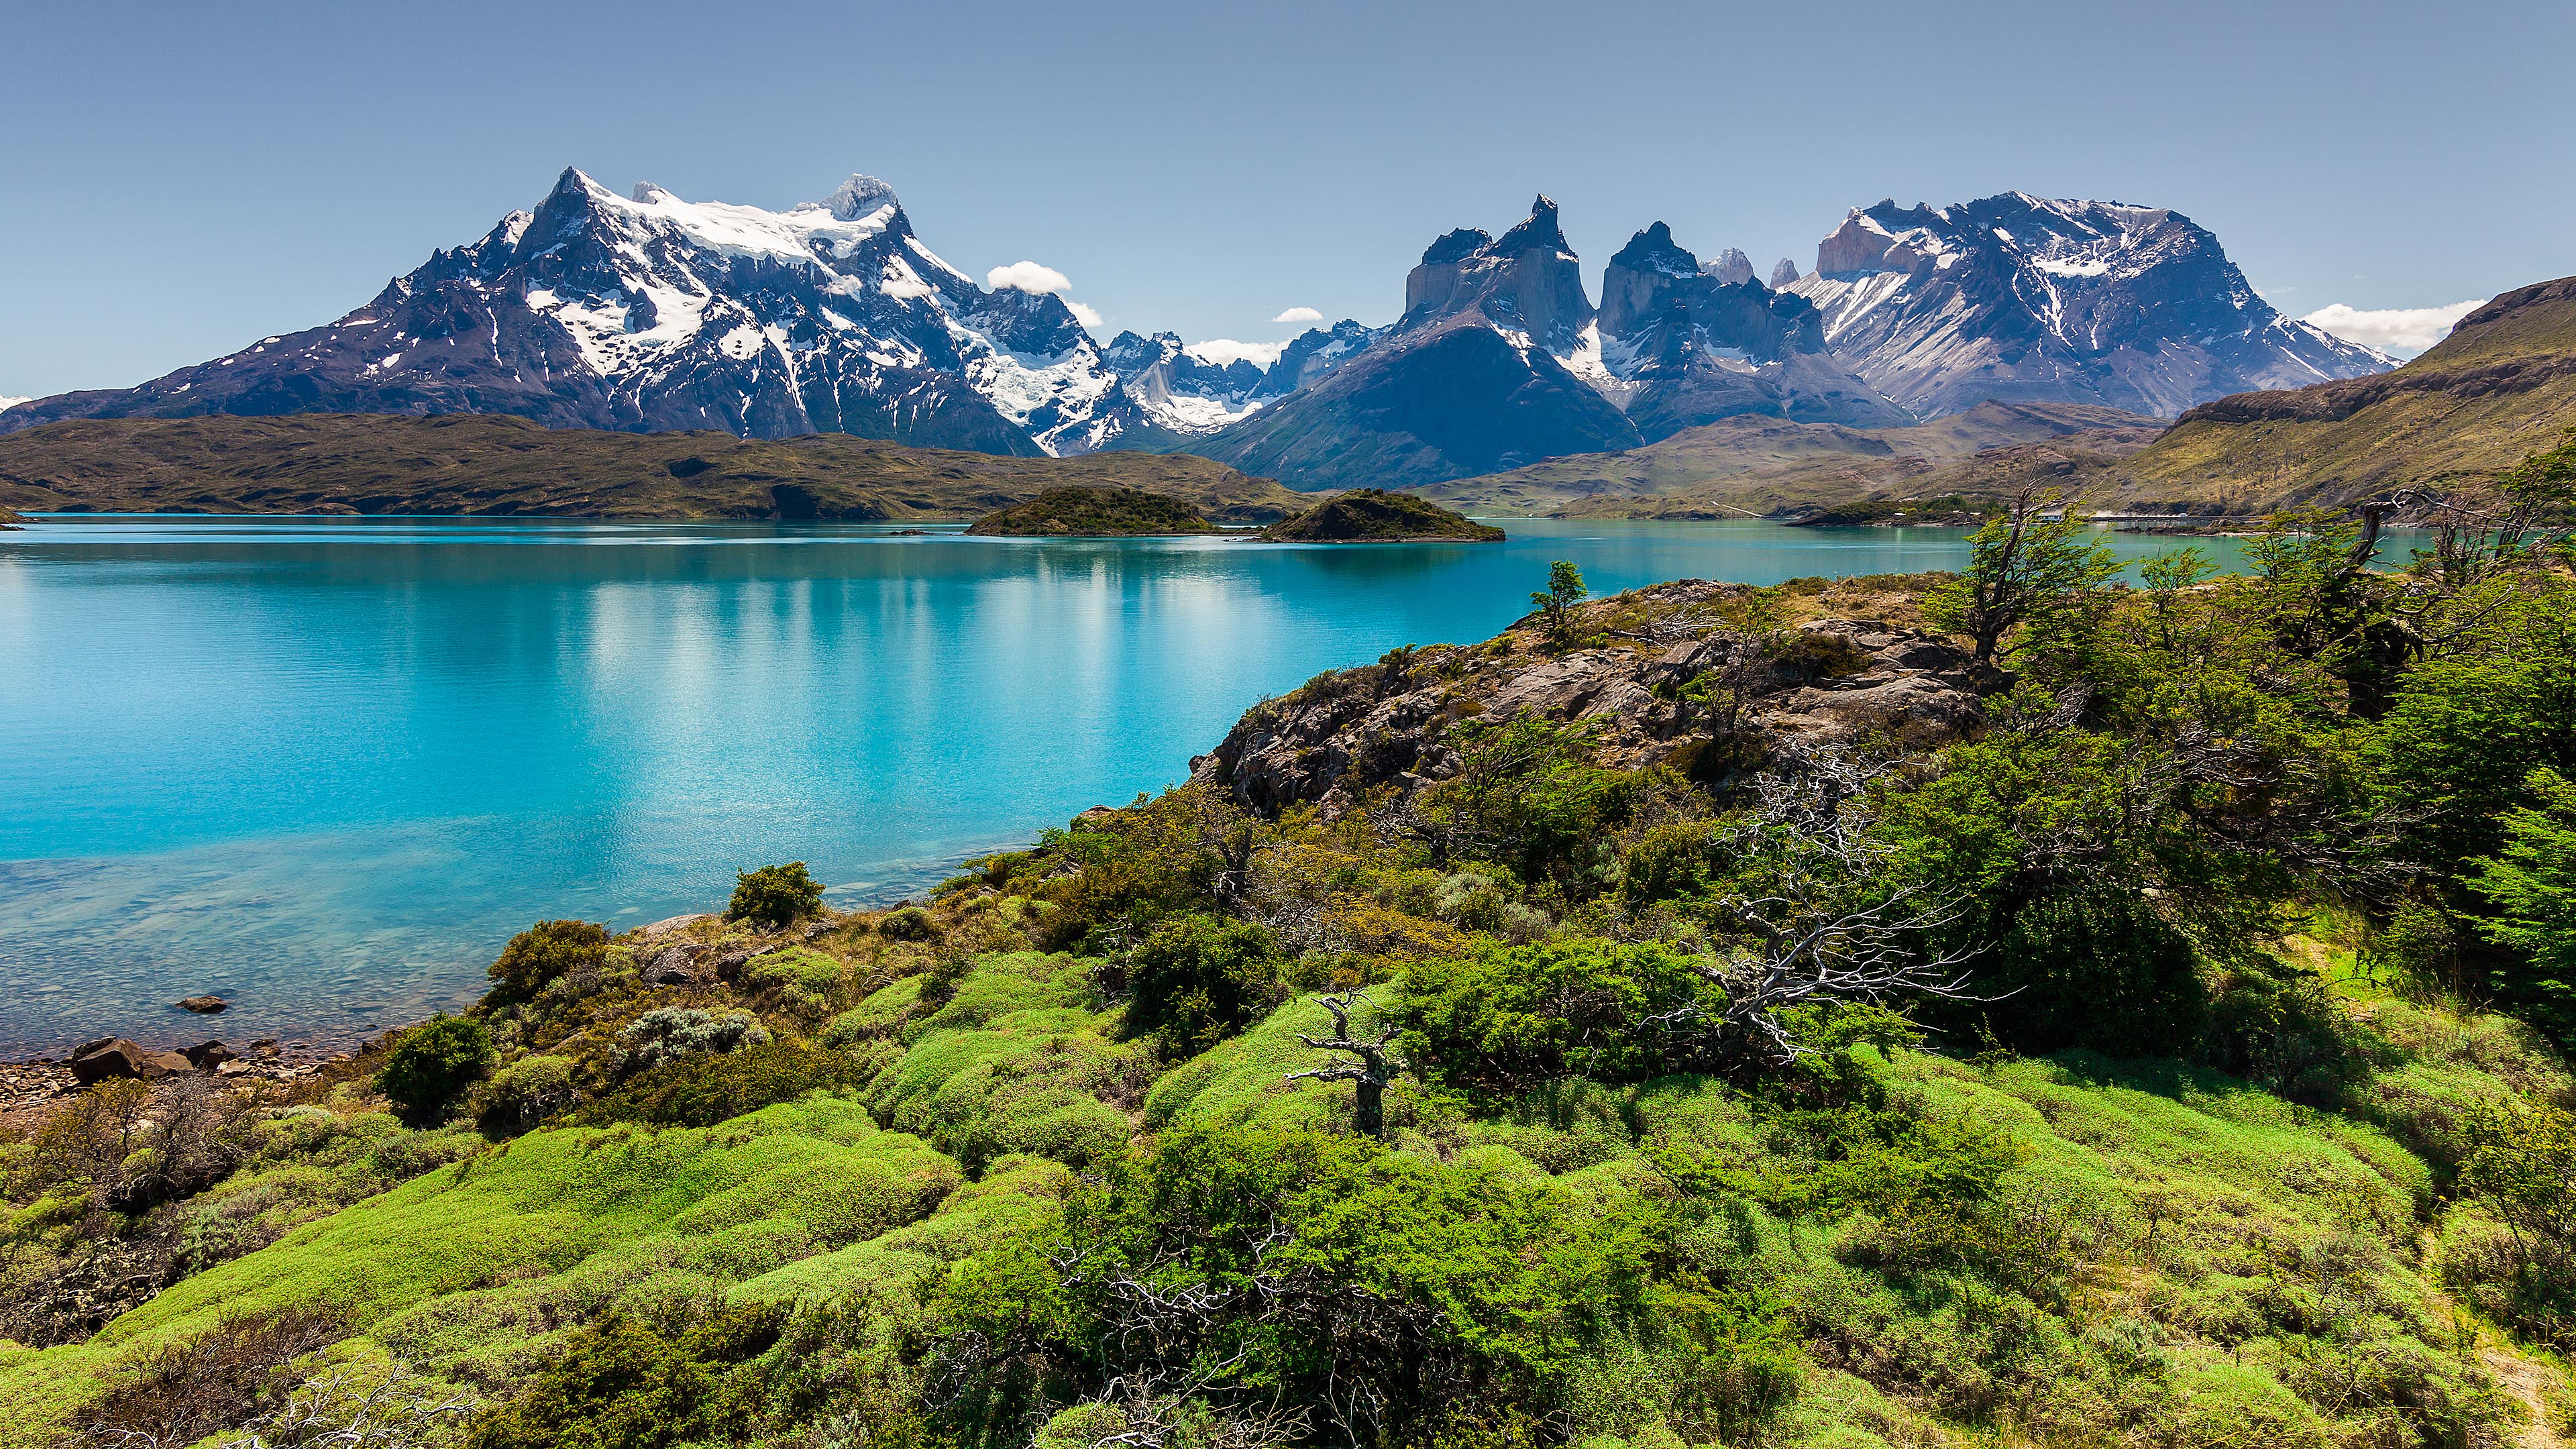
[179, 179]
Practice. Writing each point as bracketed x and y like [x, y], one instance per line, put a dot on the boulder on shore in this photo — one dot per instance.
[97, 1061]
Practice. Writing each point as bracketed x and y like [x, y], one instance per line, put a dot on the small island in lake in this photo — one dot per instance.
[1094, 512]
[1373, 515]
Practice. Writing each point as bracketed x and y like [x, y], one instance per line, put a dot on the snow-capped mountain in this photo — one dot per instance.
[7, 403]
[1171, 391]
[1680, 344]
[650, 312]
[1501, 359]
[2023, 299]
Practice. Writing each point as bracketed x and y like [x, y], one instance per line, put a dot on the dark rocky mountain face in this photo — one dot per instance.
[1681, 345]
[2022, 299]
[1472, 379]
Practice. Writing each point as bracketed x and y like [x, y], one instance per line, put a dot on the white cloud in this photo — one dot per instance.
[2401, 330]
[1027, 277]
[1299, 314]
[1225, 350]
[1085, 313]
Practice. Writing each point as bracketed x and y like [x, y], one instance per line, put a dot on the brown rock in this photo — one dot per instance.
[206, 1056]
[671, 924]
[118, 1057]
[203, 1005]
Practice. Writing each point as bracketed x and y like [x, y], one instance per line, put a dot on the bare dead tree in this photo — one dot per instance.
[342, 1410]
[1370, 1069]
[1803, 939]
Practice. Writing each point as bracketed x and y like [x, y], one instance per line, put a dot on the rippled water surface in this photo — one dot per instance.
[325, 767]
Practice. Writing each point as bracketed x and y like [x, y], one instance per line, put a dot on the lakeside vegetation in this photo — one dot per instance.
[1094, 512]
[1374, 515]
[483, 464]
[2175, 1059]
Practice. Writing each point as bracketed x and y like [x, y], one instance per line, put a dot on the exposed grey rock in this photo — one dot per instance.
[670, 924]
[1783, 272]
[1354, 731]
[679, 964]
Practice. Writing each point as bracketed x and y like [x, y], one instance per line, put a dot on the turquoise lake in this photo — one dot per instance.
[325, 767]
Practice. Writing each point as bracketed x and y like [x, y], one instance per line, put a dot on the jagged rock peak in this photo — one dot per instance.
[1457, 246]
[1783, 272]
[859, 196]
[1731, 267]
[1655, 250]
[1538, 232]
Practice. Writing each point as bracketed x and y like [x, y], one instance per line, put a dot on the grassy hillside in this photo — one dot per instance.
[1094, 512]
[1765, 465]
[1706, 1016]
[2500, 387]
[472, 464]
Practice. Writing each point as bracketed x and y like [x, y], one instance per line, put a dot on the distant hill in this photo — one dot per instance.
[1751, 464]
[1094, 513]
[489, 464]
[1373, 515]
[2502, 384]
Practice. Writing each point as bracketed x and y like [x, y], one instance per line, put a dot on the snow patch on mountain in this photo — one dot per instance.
[2023, 298]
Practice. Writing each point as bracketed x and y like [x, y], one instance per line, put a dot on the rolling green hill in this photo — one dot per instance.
[478, 464]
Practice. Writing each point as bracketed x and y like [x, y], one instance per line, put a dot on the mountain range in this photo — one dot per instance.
[647, 312]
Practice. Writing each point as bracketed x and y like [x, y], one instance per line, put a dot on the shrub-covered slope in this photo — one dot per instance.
[2162, 1050]
[1093, 512]
[1373, 515]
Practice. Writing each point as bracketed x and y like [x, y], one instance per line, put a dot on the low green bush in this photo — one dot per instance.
[1198, 980]
[539, 955]
[624, 1383]
[775, 895]
[431, 1067]
[671, 1032]
[704, 1089]
[527, 1092]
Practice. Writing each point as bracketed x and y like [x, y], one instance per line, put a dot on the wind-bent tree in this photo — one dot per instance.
[2025, 569]
[1371, 1067]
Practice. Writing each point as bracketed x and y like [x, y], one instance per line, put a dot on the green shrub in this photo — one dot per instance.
[704, 1089]
[802, 980]
[774, 895]
[527, 1092]
[2098, 970]
[1198, 980]
[622, 1383]
[1513, 1018]
[432, 1066]
[906, 923]
[671, 1032]
[545, 951]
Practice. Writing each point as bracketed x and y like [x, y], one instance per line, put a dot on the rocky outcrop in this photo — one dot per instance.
[1528, 278]
[1783, 272]
[1827, 684]
[110, 1057]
